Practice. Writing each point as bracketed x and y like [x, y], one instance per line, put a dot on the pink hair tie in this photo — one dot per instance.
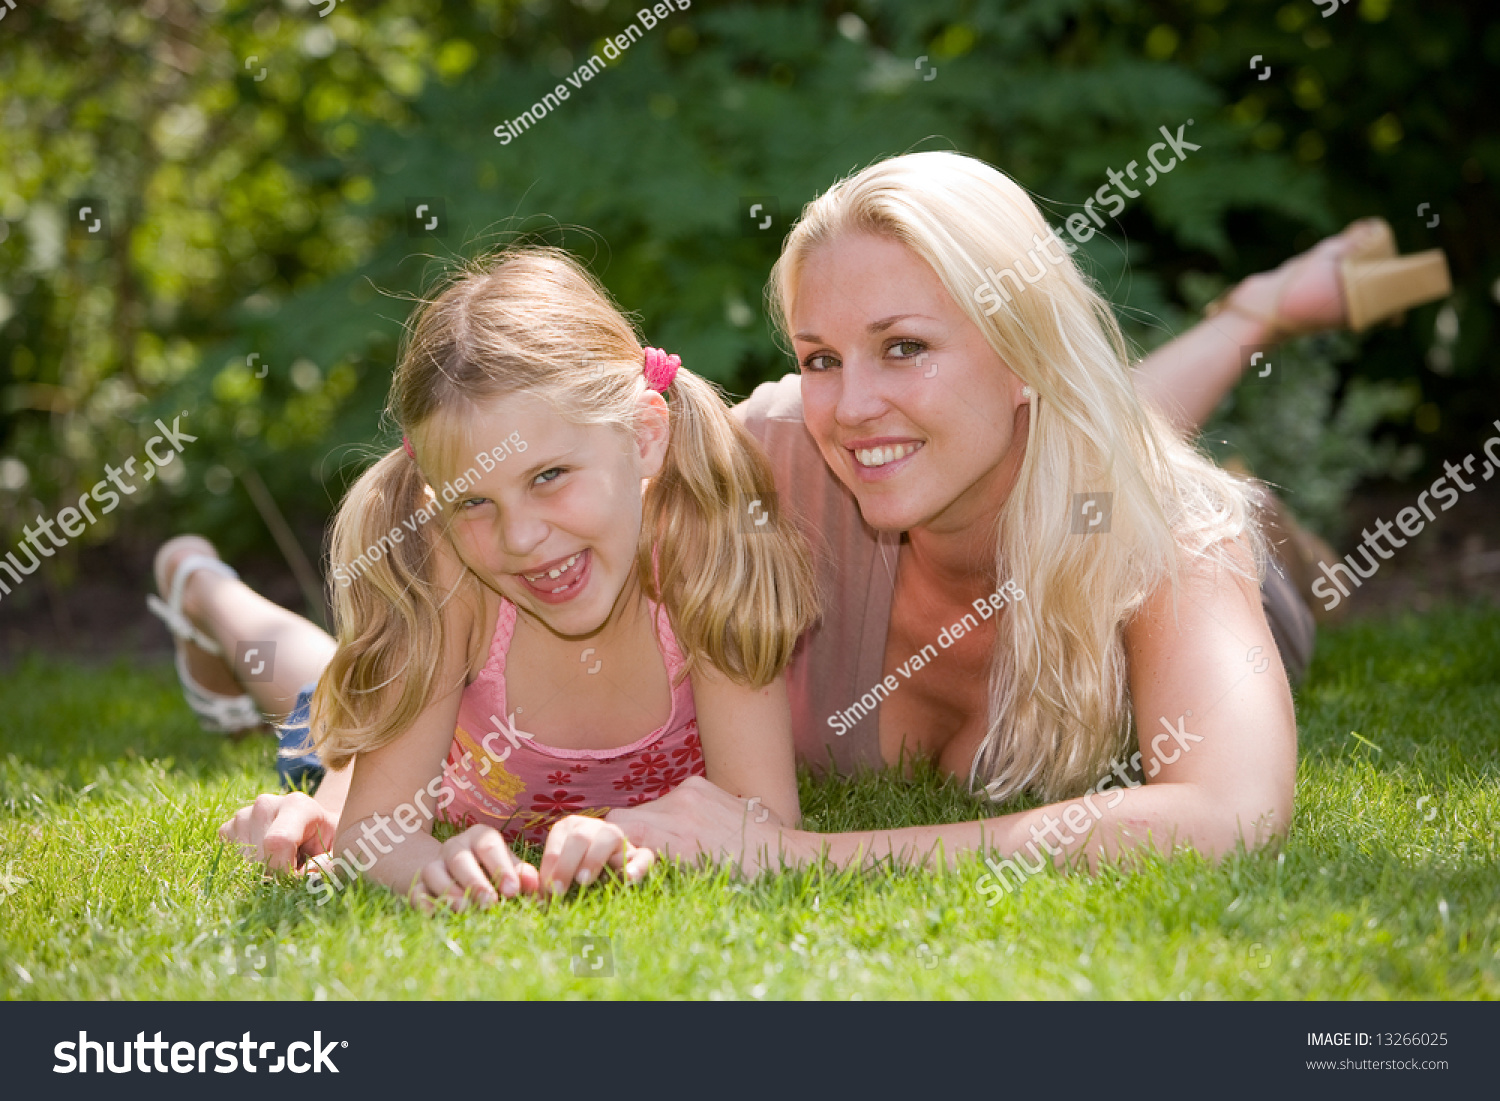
[406, 443]
[661, 369]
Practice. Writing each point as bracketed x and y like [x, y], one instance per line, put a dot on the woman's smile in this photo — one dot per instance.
[878, 459]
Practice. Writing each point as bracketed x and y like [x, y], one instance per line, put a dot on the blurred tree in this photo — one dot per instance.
[261, 164]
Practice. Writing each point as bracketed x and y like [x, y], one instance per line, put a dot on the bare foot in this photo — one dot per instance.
[209, 670]
[1305, 294]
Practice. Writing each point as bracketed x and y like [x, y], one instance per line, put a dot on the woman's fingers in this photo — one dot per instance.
[648, 826]
[638, 862]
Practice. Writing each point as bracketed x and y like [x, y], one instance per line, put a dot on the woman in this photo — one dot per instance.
[1007, 447]
[943, 455]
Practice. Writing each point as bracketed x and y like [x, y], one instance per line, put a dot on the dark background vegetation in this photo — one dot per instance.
[270, 217]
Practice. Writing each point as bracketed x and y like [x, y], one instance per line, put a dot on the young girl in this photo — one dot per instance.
[567, 591]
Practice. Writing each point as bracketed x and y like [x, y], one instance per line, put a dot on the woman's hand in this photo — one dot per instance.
[696, 818]
[468, 870]
[580, 847]
[281, 831]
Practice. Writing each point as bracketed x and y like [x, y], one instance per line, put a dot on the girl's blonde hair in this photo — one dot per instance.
[1059, 707]
[533, 321]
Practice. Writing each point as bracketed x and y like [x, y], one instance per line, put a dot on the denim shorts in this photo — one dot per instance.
[296, 760]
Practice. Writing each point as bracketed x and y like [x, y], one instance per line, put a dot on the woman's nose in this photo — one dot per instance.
[861, 393]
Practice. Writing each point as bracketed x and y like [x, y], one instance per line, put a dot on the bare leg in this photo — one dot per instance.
[230, 612]
[1188, 377]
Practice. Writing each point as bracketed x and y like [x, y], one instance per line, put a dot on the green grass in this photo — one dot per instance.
[110, 796]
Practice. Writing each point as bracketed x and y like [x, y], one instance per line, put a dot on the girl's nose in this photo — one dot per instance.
[521, 532]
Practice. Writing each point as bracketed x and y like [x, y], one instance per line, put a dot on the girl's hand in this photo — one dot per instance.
[281, 831]
[579, 848]
[468, 870]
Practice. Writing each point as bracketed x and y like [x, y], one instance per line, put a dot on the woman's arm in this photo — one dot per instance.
[747, 743]
[1222, 774]
[747, 751]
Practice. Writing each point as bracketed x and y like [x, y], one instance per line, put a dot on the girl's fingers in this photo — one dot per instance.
[419, 897]
[531, 880]
[498, 861]
[439, 884]
[297, 824]
[470, 879]
[607, 847]
[234, 828]
[566, 847]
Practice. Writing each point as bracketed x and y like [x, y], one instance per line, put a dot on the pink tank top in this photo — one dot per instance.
[501, 776]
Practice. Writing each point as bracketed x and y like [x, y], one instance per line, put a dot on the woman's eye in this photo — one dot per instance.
[820, 361]
[549, 475]
[906, 349]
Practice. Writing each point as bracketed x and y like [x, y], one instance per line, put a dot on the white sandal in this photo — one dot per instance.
[224, 714]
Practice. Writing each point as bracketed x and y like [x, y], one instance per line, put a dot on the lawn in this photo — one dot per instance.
[1389, 886]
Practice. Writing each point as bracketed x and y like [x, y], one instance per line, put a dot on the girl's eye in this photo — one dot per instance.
[549, 475]
[912, 348]
[471, 503]
[820, 361]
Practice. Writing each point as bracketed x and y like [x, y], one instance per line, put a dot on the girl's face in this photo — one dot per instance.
[554, 524]
[910, 406]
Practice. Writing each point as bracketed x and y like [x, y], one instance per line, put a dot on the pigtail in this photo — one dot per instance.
[735, 576]
[386, 612]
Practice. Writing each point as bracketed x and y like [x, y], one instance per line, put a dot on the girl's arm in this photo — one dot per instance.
[395, 794]
[1219, 742]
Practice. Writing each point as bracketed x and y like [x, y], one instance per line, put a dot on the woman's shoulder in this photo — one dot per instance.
[771, 402]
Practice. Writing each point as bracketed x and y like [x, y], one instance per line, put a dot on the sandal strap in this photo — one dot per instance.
[227, 713]
[1272, 321]
[170, 611]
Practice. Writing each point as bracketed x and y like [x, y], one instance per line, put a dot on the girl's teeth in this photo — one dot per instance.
[554, 573]
[879, 456]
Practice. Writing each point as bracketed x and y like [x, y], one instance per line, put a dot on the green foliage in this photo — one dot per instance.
[268, 217]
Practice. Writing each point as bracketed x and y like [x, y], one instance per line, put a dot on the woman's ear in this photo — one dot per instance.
[652, 432]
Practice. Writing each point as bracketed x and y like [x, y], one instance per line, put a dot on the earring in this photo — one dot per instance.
[1028, 393]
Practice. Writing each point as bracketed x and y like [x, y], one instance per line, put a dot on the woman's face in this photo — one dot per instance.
[911, 408]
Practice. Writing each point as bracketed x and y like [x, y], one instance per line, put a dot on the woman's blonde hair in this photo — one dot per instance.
[533, 321]
[1059, 708]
